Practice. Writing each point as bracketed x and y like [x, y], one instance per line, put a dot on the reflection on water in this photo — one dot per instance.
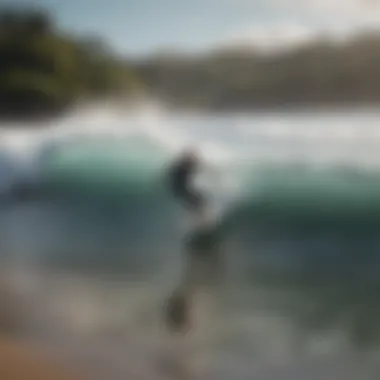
[115, 325]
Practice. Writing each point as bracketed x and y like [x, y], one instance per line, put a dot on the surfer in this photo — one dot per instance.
[179, 180]
[181, 175]
[199, 243]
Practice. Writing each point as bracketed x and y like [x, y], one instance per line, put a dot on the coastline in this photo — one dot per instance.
[40, 118]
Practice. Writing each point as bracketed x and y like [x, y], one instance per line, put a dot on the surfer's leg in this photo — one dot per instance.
[177, 311]
[195, 202]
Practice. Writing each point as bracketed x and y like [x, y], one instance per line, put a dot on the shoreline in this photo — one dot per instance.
[39, 119]
[27, 360]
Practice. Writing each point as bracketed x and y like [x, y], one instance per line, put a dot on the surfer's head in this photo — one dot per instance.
[191, 155]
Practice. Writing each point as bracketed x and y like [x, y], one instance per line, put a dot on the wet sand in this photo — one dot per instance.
[20, 360]
[143, 353]
[154, 360]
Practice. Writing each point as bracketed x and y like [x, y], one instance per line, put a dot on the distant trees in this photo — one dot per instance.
[319, 73]
[44, 71]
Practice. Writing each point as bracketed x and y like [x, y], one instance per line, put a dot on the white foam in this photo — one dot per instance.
[330, 138]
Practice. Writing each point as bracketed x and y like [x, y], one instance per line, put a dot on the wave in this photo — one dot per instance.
[109, 195]
[309, 230]
[276, 194]
[303, 196]
[131, 173]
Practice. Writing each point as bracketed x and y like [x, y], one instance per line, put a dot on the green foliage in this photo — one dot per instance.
[319, 73]
[43, 70]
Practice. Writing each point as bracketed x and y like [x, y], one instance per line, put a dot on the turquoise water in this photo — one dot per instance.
[298, 212]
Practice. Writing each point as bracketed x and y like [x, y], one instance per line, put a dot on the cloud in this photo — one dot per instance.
[273, 36]
[324, 6]
[354, 11]
[351, 13]
[296, 22]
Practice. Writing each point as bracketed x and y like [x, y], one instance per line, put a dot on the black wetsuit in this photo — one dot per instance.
[180, 178]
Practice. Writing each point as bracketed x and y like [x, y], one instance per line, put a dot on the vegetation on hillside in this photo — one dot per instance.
[43, 71]
[319, 73]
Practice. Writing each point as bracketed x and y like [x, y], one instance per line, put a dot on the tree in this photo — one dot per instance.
[43, 71]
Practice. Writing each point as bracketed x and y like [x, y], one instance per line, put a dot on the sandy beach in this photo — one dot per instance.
[20, 360]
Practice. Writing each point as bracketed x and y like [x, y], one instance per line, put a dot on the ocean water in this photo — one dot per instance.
[296, 196]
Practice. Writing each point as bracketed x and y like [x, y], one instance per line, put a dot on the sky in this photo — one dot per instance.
[141, 27]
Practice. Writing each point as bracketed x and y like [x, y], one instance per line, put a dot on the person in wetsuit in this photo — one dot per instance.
[180, 178]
